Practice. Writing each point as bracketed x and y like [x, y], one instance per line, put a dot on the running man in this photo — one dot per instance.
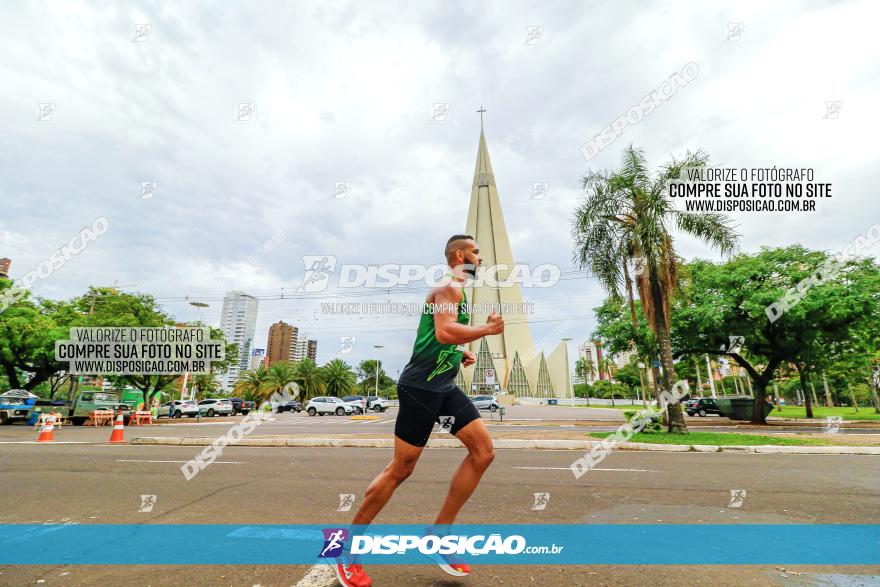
[427, 392]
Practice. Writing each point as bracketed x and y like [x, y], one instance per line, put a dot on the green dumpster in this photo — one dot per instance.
[740, 407]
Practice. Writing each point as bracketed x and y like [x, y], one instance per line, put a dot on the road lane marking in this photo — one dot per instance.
[52, 442]
[146, 461]
[318, 576]
[569, 469]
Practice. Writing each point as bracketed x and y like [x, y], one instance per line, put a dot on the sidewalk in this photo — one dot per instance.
[505, 443]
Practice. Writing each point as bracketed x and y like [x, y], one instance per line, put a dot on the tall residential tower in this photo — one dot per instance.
[238, 319]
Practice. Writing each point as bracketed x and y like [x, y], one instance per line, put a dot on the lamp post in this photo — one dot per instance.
[201, 306]
[568, 371]
[378, 365]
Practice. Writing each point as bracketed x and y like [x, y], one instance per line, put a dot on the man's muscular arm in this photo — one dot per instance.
[446, 326]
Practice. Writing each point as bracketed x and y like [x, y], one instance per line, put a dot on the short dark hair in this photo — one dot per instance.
[456, 237]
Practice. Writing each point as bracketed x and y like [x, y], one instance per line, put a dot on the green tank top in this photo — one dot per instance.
[433, 365]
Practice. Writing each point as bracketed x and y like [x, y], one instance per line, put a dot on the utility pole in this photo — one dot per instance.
[378, 364]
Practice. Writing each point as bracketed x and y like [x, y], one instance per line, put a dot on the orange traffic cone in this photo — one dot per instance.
[47, 430]
[118, 434]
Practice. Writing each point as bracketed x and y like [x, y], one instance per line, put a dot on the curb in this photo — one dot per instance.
[512, 444]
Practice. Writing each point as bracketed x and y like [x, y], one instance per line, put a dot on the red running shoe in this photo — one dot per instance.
[352, 575]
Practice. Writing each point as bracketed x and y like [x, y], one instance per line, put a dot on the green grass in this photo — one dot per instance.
[718, 439]
[848, 413]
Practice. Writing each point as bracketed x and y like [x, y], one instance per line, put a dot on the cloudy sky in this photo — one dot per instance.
[344, 92]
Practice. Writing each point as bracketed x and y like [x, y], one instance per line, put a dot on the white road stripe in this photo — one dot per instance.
[569, 469]
[51, 442]
[318, 576]
[145, 461]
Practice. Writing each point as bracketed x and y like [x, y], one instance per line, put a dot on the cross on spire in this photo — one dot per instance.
[481, 110]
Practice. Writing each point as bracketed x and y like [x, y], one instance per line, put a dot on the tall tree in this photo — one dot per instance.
[278, 376]
[207, 384]
[109, 307]
[366, 374]
[584, 369]
[308, 377]
[338, 378]
[731, 299]
[627, 215]
[28, 330]
[250, 383]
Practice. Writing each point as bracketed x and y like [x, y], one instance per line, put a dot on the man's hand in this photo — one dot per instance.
[468, 358]
[494, 324]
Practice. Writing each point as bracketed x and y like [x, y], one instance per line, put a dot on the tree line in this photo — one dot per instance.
[622, 232]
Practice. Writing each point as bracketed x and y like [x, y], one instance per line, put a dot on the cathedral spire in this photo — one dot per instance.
[486, 223]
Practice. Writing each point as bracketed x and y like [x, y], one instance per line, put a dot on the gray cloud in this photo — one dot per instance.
[343, 92]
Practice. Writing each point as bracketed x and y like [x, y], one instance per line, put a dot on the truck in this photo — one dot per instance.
[88, 401]
[15, 405]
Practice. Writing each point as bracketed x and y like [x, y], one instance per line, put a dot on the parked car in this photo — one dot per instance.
[486, 402]
[179, 409]
[328, 405]
[246, 406]
[289, 406]
[376, 403]
[215, 407]
[702, 406]
[356, 402]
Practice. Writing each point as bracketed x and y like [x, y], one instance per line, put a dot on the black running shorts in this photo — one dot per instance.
[420, 409]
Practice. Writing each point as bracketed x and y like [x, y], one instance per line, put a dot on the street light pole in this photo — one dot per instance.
[378, 365]
[200, 306]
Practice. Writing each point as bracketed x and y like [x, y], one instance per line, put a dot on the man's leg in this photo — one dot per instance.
[416, 415]
[481, 453]
[380, 490]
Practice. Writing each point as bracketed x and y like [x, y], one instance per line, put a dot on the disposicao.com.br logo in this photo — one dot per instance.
[320, 271]
[430, 544]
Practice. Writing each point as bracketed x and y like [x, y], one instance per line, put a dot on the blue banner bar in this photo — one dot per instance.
[526, 544]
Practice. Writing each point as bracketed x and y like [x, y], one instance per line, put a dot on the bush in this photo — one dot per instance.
[604, 389]
[652, 425]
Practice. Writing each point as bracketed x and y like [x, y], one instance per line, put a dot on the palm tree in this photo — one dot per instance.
[278, 376]
[308, 377]
[250, 383]
[606, 366]
[207, 384]
[585, 369]
[338, 378]
[626, 215]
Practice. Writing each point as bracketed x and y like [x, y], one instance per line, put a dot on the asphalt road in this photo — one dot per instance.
[84, 483]
[524, 418]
